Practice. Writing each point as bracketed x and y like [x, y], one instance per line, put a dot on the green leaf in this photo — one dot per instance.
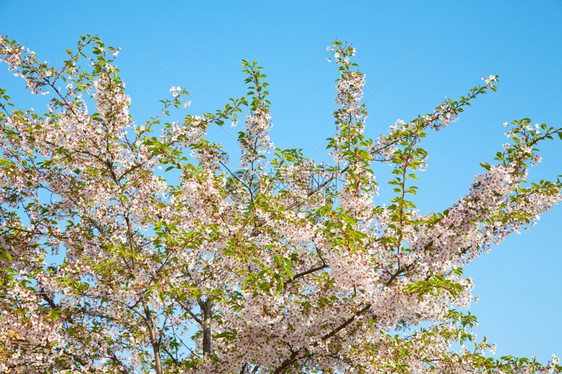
[5, 256]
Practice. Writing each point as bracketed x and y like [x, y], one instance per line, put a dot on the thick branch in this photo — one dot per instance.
[306, 272]
[153, 340]
[347, 322]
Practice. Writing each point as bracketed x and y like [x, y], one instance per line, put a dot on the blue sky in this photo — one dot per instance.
[448, 46]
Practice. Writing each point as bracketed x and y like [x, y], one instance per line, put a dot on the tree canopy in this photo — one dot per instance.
[132, 247]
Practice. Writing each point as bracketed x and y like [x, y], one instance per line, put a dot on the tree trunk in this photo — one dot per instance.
[207, 324]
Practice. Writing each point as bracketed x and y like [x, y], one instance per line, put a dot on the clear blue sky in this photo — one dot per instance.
[452, 44]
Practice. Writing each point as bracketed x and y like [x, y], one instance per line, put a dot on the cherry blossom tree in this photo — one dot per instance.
[136, 248]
